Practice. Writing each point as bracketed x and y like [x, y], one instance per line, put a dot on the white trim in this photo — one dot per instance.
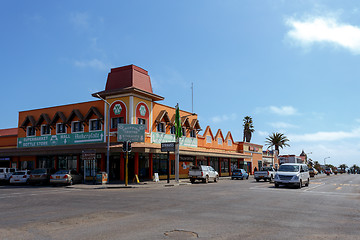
[128, 95]
[41, 128]
[95, 119]
[106, 109]
[27, 131]
[131, 110]
[147, 109]
[72, 127]
[57, 128]
[151, 117]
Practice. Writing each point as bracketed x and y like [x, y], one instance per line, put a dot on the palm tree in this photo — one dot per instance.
[278, 140]
[343, 167]
[248, 128]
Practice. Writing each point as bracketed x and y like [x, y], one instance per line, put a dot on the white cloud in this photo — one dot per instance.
[80, 20]
[282, 125]
[325, 136]
[284, 110]
[223, 118]
[324, 30]
[94, 63]
[263, 133]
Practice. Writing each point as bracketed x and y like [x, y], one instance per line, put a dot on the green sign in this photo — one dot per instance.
[158, 137]
[61, 139]
[131, 132]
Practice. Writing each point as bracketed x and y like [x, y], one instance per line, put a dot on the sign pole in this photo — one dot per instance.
[168, 167]
[126, 168]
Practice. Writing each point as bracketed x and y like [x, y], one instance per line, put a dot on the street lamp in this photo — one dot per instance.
[324, 161]
[108, 135]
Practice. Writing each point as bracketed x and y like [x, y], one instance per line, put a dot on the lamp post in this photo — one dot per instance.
[306, 158]
[108, 135]
[324, 161]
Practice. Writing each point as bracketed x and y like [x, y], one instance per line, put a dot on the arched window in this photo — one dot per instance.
[117, 114]
[142, 114]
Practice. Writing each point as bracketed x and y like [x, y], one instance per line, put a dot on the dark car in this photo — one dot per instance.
[40, 176]
[239, 174]
[68, 177]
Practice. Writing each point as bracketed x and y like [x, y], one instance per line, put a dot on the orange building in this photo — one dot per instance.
[60, 137]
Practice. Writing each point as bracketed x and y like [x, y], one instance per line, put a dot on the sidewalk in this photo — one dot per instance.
[147, 184]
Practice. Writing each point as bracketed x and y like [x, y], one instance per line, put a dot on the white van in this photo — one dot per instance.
[295, 174]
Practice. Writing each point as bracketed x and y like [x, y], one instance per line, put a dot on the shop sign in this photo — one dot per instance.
[131, 132]
[157, 137]
[168, 147]
[61, 139]
[4, 159]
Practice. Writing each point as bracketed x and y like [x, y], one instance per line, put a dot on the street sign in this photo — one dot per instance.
[131, 132]
[168, 147]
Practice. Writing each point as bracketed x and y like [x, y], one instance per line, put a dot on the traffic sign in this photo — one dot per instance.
[131, 132]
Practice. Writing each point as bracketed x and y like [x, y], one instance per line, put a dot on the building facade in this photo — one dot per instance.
[60, 137]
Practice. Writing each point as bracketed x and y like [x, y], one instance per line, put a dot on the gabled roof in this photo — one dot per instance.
[43, 117]
[28, 119]
[229, 136]
[77, 113]
[195, 124]
[185, 122]
[208, 132]
[93, 110]
[219, 135]
[57, 116]
[163, 115]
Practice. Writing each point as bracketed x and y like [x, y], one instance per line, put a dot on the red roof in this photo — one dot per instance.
[8, 132]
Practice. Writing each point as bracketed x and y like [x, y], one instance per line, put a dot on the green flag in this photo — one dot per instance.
[178, 132]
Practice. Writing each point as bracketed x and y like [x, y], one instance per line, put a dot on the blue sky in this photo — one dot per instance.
[290, 65]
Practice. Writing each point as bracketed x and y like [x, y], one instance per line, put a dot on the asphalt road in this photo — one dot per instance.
[231, 209]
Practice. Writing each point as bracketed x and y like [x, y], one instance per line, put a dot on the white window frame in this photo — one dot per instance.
[208, 139]
[41, 130]
[220, 141]
[73, 124]
[172, 130]
[145, 122]
[229, 142]
[112, 125]
[57, 128]
[163, 127]
[183, 131]
[92, 120]
[27, 131]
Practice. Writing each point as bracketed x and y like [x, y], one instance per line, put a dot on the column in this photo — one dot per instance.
[219, 165]
[151, 165]
[103, 162]
[122, 166]
[136, 164]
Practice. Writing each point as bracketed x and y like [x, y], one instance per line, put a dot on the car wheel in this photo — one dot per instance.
[216, 179]
[271, 178]
[192, 180]
[307, 183]
[300, 184]
[247, 177]
[71, 182]
[207, 179]
[232, 178]
[257, 180]
[276, 185]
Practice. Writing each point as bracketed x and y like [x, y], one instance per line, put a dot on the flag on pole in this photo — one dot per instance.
[178, 132]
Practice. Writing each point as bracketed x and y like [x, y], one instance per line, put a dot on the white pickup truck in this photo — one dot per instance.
[203, 173]
[5, 174]
[265, 173]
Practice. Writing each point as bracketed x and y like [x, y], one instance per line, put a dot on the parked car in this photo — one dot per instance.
[5, 174]
[68, 177]
[265, 173]
[295, 174]
[203, 173]
[312, 172]
[328, 171]
[40, 176]
[20, 177]
[239, 174]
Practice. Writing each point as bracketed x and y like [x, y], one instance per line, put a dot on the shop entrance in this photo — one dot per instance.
[114, 169]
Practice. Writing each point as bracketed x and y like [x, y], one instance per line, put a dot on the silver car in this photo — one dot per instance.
[68, 177]
[292, 174]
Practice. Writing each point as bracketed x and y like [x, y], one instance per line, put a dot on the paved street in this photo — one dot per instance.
[328, 209]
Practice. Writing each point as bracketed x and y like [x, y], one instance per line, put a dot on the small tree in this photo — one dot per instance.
[278, 140]
[248, 128]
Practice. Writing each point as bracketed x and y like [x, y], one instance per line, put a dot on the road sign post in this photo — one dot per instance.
[168, 147]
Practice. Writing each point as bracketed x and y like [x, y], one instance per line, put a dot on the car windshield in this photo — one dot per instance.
[19, 173]
[62, 172]
[288, 168]
[38, 171]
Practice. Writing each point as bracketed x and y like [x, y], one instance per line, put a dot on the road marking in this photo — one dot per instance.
[45, 192]
[338, 188]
